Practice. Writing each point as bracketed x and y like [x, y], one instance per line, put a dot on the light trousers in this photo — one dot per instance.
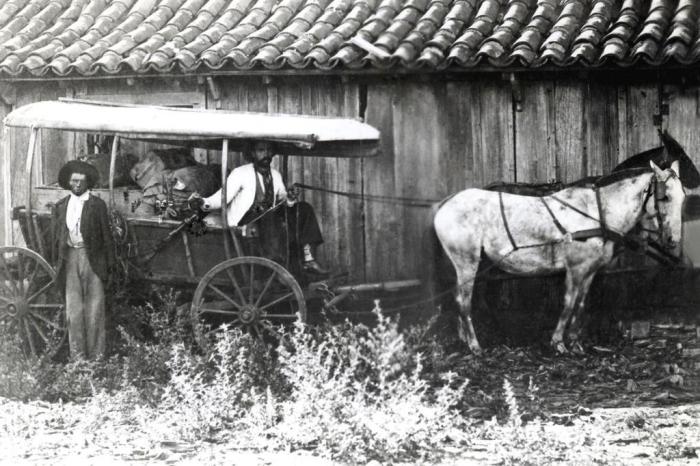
[85, 307]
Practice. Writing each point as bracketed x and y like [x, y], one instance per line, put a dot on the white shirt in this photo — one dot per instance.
[73, 214]
[240, 191]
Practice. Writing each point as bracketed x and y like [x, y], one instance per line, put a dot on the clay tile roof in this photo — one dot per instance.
[99, 37]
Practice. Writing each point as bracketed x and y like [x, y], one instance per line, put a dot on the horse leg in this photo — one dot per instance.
[465, 289]
[571, 297]
[575, 326]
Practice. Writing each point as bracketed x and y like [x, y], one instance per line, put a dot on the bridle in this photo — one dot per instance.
[657, 191]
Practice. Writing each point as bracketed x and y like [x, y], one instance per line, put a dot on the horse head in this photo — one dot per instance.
[664, 214]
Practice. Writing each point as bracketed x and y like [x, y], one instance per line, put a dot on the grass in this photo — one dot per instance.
[345, 392]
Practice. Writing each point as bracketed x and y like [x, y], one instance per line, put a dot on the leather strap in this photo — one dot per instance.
[561, 228]
[505, 222]
[601, 216]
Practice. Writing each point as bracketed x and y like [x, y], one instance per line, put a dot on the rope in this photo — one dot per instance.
[407, 201]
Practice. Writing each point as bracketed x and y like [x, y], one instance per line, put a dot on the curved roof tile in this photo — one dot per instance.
[93, 37]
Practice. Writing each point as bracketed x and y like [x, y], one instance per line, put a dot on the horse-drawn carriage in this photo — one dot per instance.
[231, 284]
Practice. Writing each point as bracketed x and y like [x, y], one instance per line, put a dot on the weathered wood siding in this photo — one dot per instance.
[438, 137]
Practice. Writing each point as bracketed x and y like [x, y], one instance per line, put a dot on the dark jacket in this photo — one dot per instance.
[94, 226]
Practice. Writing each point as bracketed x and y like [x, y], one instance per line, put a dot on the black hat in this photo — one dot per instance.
[76, 166]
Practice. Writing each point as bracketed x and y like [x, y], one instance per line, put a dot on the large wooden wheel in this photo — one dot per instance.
[31, 310]
[253, 293]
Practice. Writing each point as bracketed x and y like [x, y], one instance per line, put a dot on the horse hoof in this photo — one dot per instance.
[577, 349]
[477, 351]
[559, 347]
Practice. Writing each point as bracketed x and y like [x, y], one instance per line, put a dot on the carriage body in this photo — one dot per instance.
[232, 282]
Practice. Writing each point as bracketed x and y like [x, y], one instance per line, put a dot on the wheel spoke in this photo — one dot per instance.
[232, 276]
[45, 306]
[264, 290]
[20, 273]
[252, 279]
[6, 274]
[281, 316]
[29, 337]
[4, 299]
[226, 297]
[40, 292]
[46, 320]
[10, 291]
[38, 330]
[217, 311]
[278, 300]
[30, 280]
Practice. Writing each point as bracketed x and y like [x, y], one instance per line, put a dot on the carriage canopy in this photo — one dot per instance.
[293, 134]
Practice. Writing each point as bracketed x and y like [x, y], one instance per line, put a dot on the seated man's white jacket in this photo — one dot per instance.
[240, 192]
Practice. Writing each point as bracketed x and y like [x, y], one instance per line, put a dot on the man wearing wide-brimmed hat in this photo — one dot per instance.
[85, 255]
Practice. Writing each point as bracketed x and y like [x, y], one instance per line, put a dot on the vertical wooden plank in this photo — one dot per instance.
[419, 141]
[493, 149]
[571, 151]
[382, 221]
[6, 238]
[457, 163]
[317, 99]
[289, 101]
[349, 173]
[535, 157]
[479, 133]
[639, 131]
[601, 127]
[684, 120]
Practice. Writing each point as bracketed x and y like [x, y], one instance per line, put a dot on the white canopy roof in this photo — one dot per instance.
[297, 133]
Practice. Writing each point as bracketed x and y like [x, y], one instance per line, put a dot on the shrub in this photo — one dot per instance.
[357, 395]
[202, 397]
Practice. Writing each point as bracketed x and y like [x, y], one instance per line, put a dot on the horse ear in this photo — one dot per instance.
[676, 167]
[655, 167]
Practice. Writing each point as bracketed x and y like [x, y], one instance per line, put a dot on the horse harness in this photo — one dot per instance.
[655, 189]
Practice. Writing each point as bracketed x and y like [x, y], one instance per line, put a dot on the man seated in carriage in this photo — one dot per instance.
[255, 193]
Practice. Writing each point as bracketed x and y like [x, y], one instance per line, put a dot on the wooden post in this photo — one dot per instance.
[224, 206]
[112, 167]
[28, 171]
[224, 198]
[285, 167]
[6, 186]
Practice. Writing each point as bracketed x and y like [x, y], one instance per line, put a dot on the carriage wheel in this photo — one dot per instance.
[253, 293]
[30, 309]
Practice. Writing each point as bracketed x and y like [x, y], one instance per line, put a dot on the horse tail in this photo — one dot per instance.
[444, 277]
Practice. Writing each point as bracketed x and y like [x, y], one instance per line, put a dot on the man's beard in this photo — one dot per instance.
[263, 165]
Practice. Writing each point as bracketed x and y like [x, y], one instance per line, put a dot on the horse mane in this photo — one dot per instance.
[614, 177]
[663, 156]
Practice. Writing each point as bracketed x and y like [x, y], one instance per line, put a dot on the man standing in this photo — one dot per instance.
[255, 188]
[84, 256]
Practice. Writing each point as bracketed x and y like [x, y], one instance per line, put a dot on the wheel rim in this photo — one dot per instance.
[30, 308]
[253, 293]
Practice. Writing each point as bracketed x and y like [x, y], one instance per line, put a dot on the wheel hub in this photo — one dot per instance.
[19, 307]
[249, 314]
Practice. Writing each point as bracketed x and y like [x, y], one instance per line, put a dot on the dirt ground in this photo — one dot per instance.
[38, 433]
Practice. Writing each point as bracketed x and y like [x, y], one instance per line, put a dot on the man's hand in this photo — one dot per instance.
[293, 192]
[195, 202]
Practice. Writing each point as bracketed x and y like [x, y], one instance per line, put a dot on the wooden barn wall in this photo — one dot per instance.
[438, 137]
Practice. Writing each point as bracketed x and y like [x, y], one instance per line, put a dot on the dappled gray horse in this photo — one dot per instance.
[573, 230]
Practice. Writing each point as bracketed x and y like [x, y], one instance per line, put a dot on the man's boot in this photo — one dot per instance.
[311, 266]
